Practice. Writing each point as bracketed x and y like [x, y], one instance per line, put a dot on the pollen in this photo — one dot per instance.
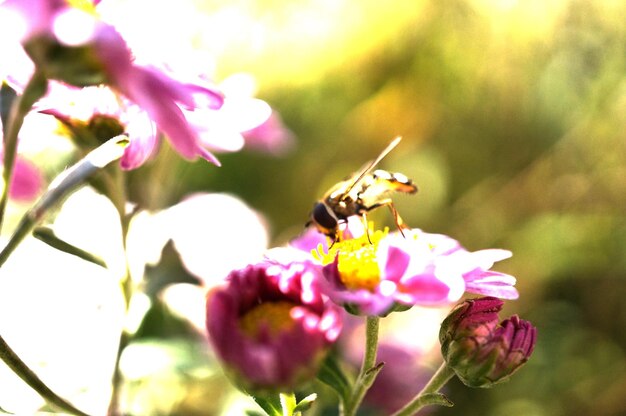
[84, 5]
[356, 259]
[273, 317]
[358, 269]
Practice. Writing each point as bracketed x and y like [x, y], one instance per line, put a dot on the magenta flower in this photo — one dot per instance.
[377, 273]
[480, 350]
[26, 182]
[270, 325]
[73, 46]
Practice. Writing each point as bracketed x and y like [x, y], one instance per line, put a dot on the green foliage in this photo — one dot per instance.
[7, 97]
[331, 374]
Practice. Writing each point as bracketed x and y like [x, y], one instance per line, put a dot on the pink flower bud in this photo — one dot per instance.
[481, 351]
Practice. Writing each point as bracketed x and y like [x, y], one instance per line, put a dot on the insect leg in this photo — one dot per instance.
[367, 228]
[389, 203]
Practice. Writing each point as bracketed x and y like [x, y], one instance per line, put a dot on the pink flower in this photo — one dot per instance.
[377, 273]
[95, 114]
[270, 325]
[73, 46]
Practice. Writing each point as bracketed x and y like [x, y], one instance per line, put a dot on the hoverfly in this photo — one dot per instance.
[364, 191]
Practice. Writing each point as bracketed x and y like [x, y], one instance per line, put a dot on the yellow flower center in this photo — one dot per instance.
[273, 316]
[84, 5]
[356, 259]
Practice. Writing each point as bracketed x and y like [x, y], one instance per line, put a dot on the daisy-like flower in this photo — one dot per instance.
[481, 350]
[379, 272]
[95, 114]
[270, 325]
[72, 45]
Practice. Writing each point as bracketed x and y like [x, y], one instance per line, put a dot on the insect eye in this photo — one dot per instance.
[323, 216]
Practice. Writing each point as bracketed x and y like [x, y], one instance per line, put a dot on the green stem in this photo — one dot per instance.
[429, 394]
[114, 403]
[35, 89]
[118, 196]
[369, 369]
[13, 361]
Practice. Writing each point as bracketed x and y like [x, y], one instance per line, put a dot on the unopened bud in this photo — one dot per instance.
[480, 350]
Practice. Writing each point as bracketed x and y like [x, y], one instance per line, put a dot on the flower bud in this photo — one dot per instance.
[481, 351]
[271, 327]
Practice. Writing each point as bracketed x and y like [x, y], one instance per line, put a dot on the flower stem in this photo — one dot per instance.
[35, 89]
[114, 403]
[13, 361]
[429, 394]
[369, 369]
[118, 196]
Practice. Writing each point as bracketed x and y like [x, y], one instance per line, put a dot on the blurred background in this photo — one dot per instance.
[513, 117]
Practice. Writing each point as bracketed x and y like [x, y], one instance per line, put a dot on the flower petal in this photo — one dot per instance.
[26, 182]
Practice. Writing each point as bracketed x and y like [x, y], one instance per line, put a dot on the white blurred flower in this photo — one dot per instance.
[63, 315]
[212, 233]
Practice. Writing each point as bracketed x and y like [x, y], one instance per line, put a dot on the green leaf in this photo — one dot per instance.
[288, 403]
[271, 405]
[438, 399]
[331, 375]
[306, 403]
[373, 371]
[46, 235]
[7, 97]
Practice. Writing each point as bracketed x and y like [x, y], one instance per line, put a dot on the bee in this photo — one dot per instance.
[362, 192]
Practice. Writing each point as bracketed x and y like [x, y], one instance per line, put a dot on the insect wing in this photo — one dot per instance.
[357, 177]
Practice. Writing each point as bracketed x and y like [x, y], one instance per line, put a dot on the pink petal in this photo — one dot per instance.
[309, 240]
[491, 283]
[138, 151]
[424, 289]
[27, 181]
[396, 261]
[486, 258]
[155, 93]
[157, 100]
[272, 136]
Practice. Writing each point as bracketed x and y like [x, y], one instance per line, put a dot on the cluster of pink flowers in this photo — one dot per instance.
[271, 323]
[73, 46]
[97, 77]
[373, 274]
